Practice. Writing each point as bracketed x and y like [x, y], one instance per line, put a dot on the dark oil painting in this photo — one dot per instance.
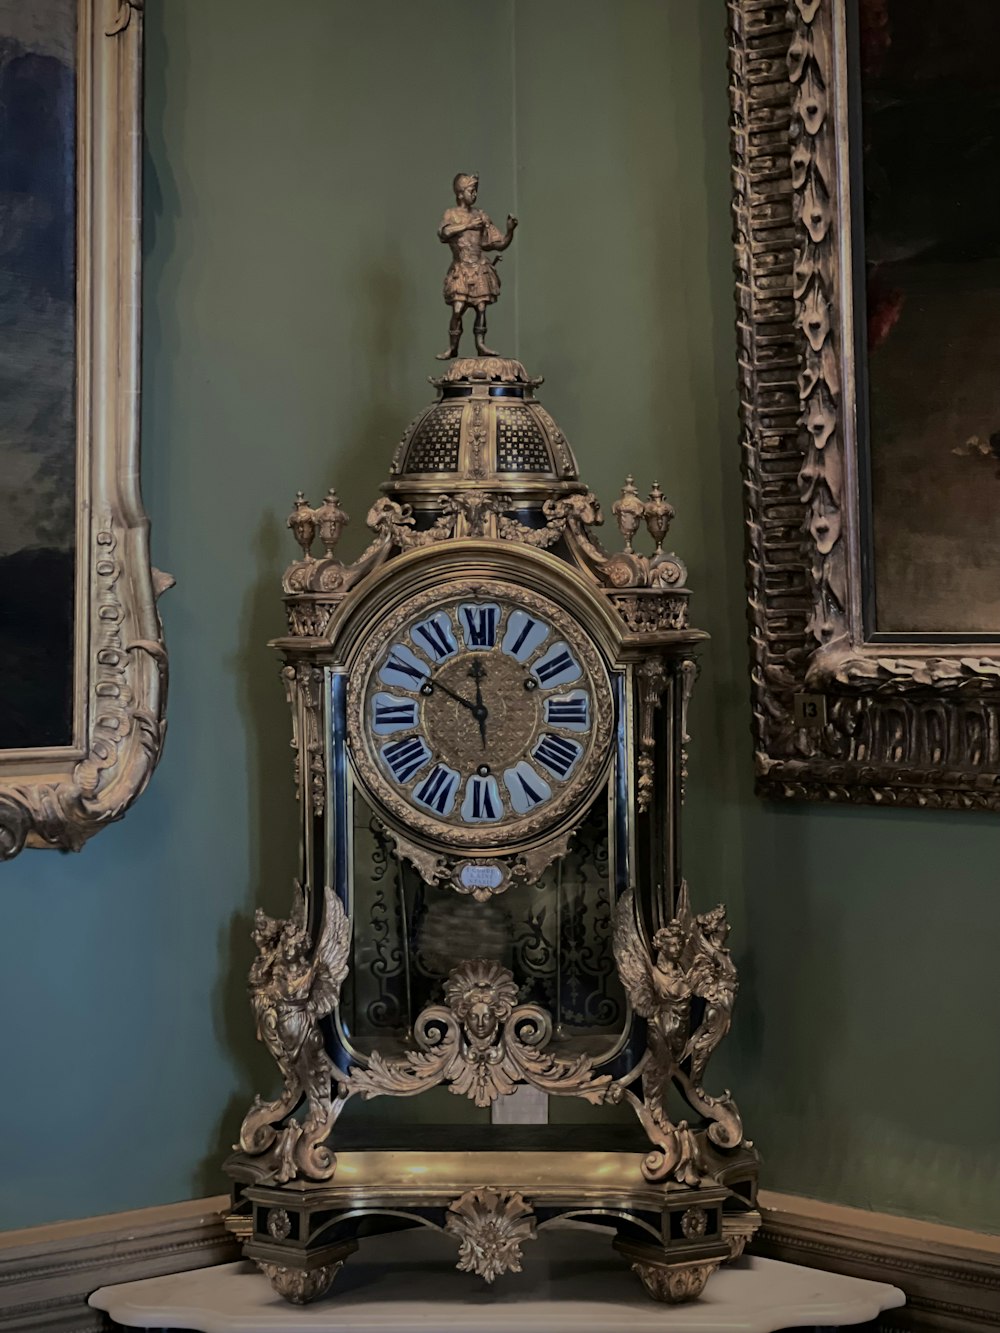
[37, 371]
[927, 83]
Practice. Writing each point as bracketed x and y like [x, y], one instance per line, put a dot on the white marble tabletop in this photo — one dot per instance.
[572, 1282]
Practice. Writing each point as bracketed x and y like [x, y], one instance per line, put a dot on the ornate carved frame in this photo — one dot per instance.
[61, 797]
[838, 715]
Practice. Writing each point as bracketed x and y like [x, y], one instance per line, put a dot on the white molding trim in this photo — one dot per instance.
[951, 1277]
[47, 1273]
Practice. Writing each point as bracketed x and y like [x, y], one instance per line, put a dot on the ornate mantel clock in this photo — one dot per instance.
[489, 728]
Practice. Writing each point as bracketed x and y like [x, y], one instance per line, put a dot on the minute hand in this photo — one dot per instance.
[466, 703]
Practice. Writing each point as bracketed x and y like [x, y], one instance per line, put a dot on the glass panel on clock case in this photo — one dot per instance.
[553, 936]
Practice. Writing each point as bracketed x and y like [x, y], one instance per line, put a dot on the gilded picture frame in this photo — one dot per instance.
[58, 796]
[840, 712]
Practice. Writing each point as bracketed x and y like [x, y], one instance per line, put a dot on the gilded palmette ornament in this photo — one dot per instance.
[491, 1228]
[293, 986]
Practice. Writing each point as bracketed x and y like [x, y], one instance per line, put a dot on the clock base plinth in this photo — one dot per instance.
[492, 1203]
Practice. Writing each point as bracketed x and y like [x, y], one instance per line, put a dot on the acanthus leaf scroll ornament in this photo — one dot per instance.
[675, 1284]
[301, 1286]
[476, 512]
[482, 1043]
[294, 985]
[688, 960]
[491, 1228]
[570, 518]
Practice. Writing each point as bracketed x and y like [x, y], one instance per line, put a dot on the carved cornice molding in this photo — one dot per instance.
[951, 1277]
[47, 1273]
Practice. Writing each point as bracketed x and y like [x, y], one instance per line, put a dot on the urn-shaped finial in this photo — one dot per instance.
[628, 511]
[331, 520]
[302, 521]
[659, 514]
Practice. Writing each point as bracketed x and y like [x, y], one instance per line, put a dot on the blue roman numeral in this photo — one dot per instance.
[397, 663]
[437, 637]
[402, 714]
[406, 757]
[566, 712]
[438, 789]
[482, 800]
[557, 754]
[518, 644]
[533, 796]
[480, 625]
[554, 666]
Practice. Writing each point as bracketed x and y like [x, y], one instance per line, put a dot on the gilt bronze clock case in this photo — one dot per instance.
[489, 715]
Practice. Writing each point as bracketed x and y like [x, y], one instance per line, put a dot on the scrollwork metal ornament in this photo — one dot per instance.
[294, 985]
[481, 1043]
[904, 725]
[688, 960]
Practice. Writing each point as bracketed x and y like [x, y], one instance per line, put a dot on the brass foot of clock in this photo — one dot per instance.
[300, 1286]
[673, 1283]
[489, 722]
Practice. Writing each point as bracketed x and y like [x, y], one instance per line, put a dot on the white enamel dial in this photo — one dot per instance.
[483, 715]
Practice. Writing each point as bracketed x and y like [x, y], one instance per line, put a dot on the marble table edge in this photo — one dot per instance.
[132, 1310]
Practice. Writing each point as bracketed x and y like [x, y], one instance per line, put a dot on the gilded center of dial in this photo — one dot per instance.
[458, 733]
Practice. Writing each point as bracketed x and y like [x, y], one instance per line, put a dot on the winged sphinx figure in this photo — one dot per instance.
[293, 986]
[689, 962]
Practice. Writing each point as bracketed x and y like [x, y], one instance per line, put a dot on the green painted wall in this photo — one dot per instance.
[296, 169]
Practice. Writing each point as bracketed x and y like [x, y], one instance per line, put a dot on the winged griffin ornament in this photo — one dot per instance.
[688, 962]
[293, 986]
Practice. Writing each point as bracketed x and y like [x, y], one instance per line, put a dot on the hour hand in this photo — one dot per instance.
[480, 714]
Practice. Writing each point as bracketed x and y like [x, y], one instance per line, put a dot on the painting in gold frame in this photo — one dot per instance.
[85, 689]
[864, 687]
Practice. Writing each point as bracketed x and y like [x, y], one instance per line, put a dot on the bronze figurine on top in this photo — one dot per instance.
[472, 279]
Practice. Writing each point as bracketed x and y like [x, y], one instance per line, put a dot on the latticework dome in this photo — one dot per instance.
[485, 432]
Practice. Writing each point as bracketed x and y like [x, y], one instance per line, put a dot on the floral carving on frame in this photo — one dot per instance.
[845, 708]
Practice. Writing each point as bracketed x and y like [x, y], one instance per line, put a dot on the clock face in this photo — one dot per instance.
[481, 715]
